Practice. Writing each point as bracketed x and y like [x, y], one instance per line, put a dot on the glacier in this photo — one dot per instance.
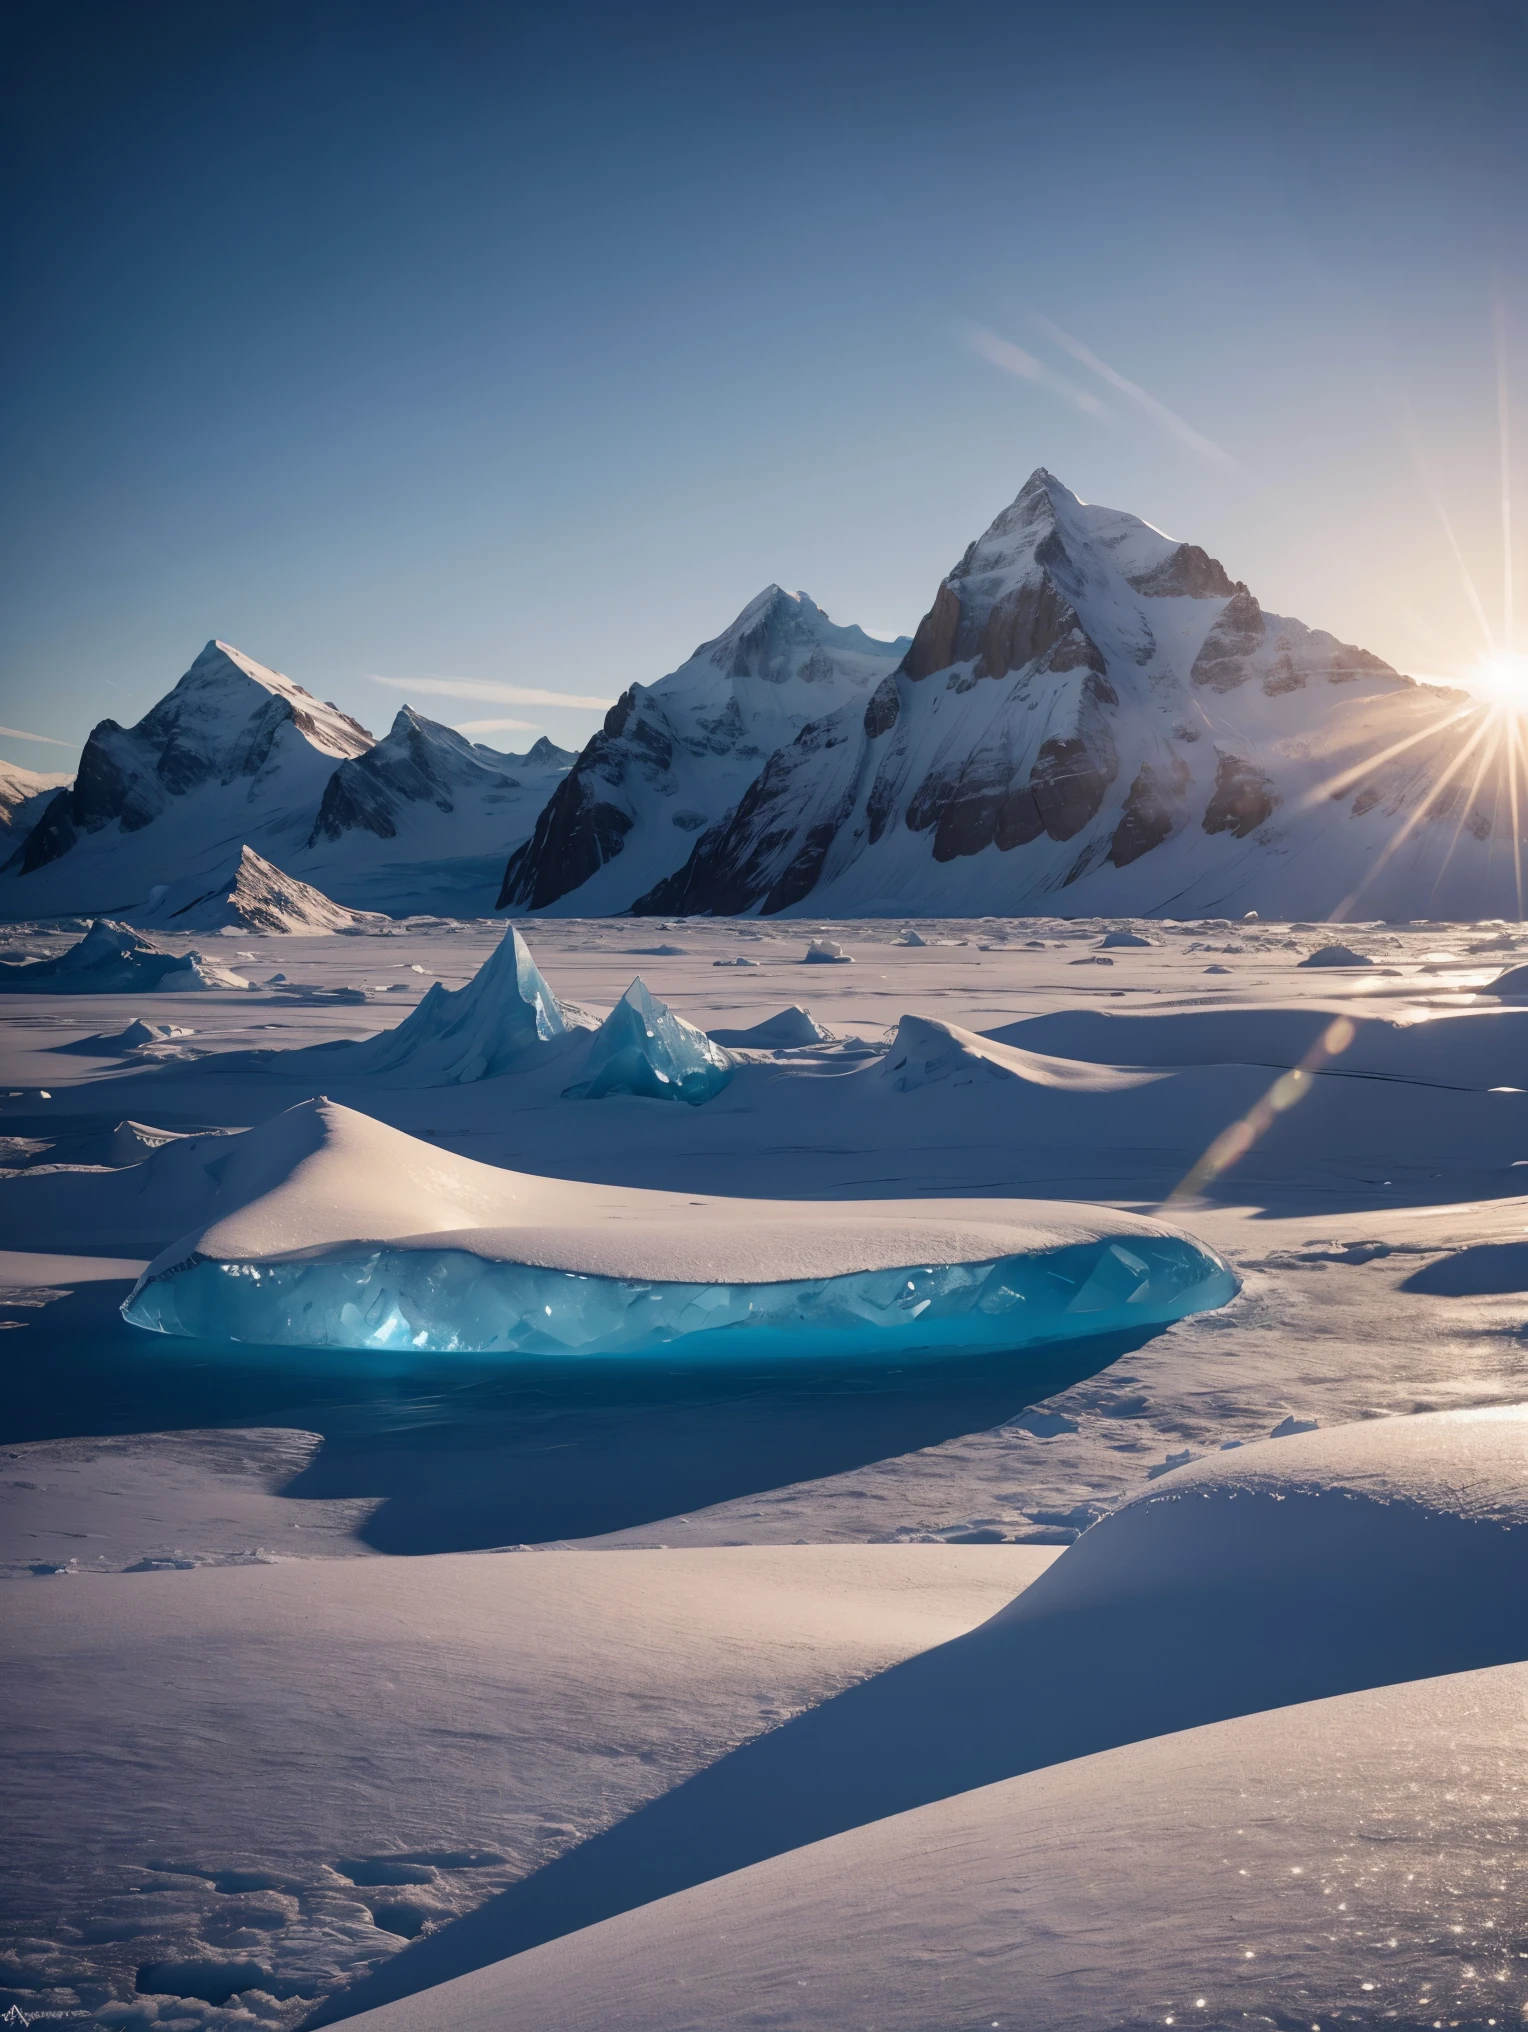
[643, 1048]
[444, 1300]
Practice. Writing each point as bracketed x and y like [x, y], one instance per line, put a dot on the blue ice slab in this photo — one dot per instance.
[643, 1048]
[450, 1301]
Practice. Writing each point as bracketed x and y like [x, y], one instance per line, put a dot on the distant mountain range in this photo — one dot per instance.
[237, 756]
[1091, 719]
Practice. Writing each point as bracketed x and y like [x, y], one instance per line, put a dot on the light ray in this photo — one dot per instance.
[1477, 604]
[1421, 811]
[1343, 780]
[1504, 443]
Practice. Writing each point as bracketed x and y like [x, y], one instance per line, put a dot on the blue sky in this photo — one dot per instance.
[522, 347]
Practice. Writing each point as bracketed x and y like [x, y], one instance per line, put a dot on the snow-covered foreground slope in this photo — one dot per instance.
[278, 1773]
[674, 756]
[1357, 1861]
[395, 1728]
[1285, 1572]
[1093, 717]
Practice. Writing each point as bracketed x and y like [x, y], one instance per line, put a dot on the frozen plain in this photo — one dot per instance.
[1376, 1226]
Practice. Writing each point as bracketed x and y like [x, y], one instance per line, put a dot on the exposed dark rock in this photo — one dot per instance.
[1243, 798]
[577, 833]
[1153, 805]
[1224, 660]
[881, 712]
[1024, 624]
[1069, 780]
[1190, 572]
[934, 643]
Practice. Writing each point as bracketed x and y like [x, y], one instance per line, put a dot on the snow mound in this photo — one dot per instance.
[1336, 956]
[326, 1228]
[254, 895]
[1203, 1879]
[909, 937]
[642, 1048]
[113, 959]
[826, 952]
[505, 1018]
[1288, 1571]
[788, 1031]
[1118, 938]
[1512, 986]
[926, 1051]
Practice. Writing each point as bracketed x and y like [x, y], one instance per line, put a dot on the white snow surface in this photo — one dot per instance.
[1271, 1654]
[325, 1177]
[1356, 1860]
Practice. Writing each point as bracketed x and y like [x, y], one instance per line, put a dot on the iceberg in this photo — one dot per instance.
[113, 959]
[327, 1229]
[505, 1016]
[643, 1048]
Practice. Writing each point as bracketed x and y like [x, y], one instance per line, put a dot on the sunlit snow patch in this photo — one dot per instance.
[332, 1230]
[643, 1048]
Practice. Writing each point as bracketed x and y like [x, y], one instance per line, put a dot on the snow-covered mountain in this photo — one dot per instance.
[1094, 718]
[252, 895]
[238, 759]
[673, 757]
[24, 795]
[235, 755]
[424, 819]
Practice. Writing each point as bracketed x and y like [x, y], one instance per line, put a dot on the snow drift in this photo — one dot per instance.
[1289, 1571]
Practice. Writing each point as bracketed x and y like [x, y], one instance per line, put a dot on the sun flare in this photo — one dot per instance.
[1501, 680]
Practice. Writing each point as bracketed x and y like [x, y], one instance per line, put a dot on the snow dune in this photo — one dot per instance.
[1294, 1570]
[1356, 1859]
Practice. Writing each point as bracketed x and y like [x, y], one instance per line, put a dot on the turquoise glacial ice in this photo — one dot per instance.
[643, 1048]
[450, 1301]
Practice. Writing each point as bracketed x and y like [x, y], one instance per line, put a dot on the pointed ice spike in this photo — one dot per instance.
[487, 1027]
[643, 1048]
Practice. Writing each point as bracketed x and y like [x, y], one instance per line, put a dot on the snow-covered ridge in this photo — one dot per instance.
[672, 757]
[1090, 709]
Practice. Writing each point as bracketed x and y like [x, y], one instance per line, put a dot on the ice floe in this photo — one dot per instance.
[336, 1231]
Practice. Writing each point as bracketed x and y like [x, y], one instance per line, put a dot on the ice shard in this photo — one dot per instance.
[643, 1048]
[492, 1025]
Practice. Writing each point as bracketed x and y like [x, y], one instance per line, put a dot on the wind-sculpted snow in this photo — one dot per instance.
[790, 1030]
[643, 1048]
[113, 959]
[343, 1233]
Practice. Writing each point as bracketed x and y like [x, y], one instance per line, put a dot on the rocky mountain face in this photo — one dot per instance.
[237, 757]
[1096, 715]
[673, 757]
[252, 896]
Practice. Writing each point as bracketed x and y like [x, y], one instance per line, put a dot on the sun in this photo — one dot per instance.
[1501, 680]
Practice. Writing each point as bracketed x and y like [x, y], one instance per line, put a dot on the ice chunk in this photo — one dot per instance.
[325, 1228]
[792, 1028]
[113, 959]
[826, 952]
[440, 1299]
[908, 937]
[505, 1016]
[643, 1048]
